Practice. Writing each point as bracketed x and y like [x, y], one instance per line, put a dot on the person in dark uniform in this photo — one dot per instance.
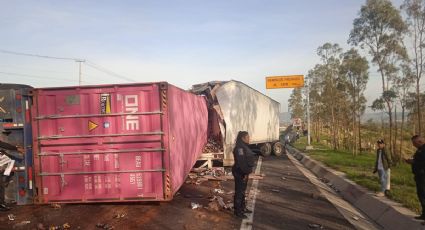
[244, 162]
[418, 169]
[3, 147]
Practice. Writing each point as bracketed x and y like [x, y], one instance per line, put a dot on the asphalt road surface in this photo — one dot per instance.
[284, 199]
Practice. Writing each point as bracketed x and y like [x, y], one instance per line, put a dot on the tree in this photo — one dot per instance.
[329, 54]
[415, 20]
[354, 71]
[296, 104]
[402, 85]
[379, 29]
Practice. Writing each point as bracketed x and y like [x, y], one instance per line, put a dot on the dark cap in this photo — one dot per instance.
[380, 141]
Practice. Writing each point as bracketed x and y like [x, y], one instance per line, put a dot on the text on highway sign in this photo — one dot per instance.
[291, 81]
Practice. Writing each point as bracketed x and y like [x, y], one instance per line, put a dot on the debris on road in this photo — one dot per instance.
[104, 226]
[315, 226]
[40, 226]
[219, 191]
[355, 218]
[56, 206]
[11, 217]
[22, 223]
[59, 227]
[217, 203]
[213, 206]
[119, 215]
[195, 205]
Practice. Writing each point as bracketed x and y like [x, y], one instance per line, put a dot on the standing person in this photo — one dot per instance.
[418, 170]
[382, 166]
[5, 159]
[244, 162]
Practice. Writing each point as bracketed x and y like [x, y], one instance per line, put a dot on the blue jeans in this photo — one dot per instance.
[384, 179]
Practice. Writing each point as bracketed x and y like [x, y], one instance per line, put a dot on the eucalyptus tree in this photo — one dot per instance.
[415, 21]
[354, 71]
[330, 57]
[379, 29]
[296, 103]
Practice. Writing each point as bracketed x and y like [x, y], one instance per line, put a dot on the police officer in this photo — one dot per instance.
[244, 162]
[418, 169]
[5, 155]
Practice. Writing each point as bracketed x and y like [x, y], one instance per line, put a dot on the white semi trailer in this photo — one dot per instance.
[234, 107]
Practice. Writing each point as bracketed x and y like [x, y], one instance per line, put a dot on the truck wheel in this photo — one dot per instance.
[278, 149]
[266, 149]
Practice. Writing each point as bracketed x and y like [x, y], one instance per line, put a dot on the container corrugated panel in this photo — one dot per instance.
[115, 143]
[244, 108]
[15, 129]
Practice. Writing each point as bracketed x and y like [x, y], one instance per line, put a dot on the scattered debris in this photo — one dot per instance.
[59, 227]
[195, 205]
[119, 215]
[230, 205]
[56, 206]
[22, 223]
[199, 170]
[221, 202]
[219, 191]
[315, 226]
[217, 202]
[40, 226]
[213, 206]
[104, 226]
[212, 146]
[11, 217]
[355, 218]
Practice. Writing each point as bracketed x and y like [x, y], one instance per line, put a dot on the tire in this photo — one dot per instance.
[278, 149]
[266, 149]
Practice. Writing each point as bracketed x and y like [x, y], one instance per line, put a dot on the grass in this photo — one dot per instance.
[359, 169]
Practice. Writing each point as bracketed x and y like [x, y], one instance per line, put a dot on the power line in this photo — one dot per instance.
[39, 56]
[79, 60]
[38, 77]
[34, 69]
[104, 70]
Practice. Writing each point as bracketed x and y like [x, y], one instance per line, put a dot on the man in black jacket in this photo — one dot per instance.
[418, 169]
[6, 155]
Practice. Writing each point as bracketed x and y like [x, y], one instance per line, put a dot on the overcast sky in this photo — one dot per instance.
[182, 42]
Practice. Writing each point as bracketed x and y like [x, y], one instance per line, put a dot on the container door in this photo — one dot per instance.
[99, 145]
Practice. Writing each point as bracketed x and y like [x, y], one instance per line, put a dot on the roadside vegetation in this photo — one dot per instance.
[359, 169]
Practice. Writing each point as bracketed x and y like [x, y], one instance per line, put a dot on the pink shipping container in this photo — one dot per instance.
[115, 143]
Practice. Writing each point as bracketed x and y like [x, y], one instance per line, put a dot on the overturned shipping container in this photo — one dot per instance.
[233, 107]
[115, 143]
[15, 129]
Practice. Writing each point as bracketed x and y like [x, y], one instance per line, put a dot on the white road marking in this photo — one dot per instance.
[247, 223]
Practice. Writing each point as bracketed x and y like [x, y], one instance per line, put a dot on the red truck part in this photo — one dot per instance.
[115, 143]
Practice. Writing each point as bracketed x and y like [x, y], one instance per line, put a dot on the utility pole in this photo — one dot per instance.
[80, 79]
[309, 146]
